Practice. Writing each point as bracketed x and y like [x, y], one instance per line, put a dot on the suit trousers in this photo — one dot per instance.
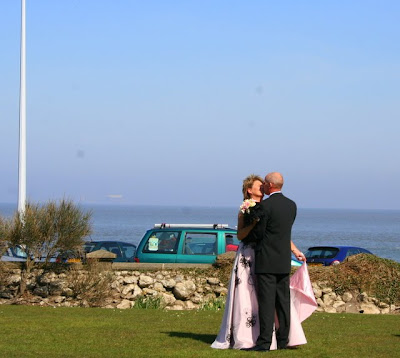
[273, 296]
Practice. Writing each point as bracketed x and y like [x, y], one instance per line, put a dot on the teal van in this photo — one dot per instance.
[186, 243]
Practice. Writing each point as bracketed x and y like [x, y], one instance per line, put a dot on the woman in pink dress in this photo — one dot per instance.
[240, 324]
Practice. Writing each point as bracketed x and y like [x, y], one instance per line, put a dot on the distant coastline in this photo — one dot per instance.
[115, 204]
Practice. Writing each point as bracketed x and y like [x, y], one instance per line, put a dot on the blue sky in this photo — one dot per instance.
[175, 102]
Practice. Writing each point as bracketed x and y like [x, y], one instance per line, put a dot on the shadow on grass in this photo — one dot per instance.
[206, 338]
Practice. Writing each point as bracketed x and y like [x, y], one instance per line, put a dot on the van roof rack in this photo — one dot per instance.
[196, 226]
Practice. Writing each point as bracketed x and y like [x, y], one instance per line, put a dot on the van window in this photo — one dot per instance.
[231, 242]
[200, 244]
[162, 242]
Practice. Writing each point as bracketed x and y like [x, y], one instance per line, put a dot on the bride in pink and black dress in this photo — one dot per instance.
[240, 325]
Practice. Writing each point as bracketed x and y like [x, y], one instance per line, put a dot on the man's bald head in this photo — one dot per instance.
[275, 180]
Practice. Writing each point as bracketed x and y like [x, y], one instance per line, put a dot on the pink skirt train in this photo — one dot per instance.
[240, 324]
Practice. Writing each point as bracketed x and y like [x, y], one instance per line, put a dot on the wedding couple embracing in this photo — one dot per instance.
[265, 305]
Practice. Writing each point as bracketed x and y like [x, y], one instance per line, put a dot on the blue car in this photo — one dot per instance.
[15, 254]
[331, 255]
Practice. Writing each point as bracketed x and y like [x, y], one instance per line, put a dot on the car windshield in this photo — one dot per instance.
[19, 252]
[88, 246]
[321, 253]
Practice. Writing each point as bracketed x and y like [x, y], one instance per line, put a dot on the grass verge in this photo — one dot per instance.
[71, 332]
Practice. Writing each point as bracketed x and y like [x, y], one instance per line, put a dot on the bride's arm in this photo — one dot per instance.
[296, 252]
[243, 231]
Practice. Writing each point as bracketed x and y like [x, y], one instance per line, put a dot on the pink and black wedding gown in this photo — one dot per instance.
[240, 324]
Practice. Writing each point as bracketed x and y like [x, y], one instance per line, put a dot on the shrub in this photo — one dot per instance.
[363, 273]
[48, 229]
[91, 285]
[4, 234]
[45, 230]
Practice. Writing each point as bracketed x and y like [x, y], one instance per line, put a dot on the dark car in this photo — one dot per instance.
[125, 251]
[331, 255]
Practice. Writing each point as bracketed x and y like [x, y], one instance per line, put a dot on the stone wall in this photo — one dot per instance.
[178, 289]
[350, 302]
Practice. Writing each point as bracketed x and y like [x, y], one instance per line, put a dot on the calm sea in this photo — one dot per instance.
[375, 230]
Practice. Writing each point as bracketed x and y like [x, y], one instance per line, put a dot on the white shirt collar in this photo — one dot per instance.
[275, 192]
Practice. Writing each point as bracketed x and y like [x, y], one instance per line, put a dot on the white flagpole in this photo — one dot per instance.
[22, 119]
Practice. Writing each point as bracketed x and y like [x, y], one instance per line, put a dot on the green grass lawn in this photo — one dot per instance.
[88, 332]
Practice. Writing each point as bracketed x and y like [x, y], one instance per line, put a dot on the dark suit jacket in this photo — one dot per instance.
[272, 252]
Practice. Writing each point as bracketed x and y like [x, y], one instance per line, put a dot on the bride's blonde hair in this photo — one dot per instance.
[248, 183]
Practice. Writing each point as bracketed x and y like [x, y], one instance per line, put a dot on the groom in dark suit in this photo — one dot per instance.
[273, 263]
